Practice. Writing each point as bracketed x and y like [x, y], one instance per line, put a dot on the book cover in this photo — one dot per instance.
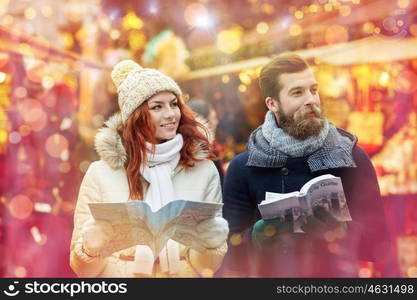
[323, 191]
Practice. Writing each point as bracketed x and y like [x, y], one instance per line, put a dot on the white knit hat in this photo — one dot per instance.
[135, 85]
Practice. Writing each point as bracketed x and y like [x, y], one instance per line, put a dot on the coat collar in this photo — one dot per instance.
[110, 149]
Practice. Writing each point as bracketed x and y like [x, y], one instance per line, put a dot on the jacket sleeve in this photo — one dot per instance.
[368, 228]
[239, 210]
[210, 259]
[89, 192]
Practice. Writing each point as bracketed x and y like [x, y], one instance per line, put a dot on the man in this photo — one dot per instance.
[295, 144]
[208, 115]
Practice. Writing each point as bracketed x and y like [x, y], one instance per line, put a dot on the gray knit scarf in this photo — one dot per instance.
[270, 147]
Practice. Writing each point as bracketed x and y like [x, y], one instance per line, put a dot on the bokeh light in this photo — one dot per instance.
[328, 7]
[405, 83]
[20, 272]
[114, 34]
[20, 92]
[236, 239]
[47, 11]
[365, 273]
[14, 137]
[33, 114]
[56, 145]
[197, 15]
[225, 79]
[336, 34]
[334, 248]
[4, 58]
[345, 10]
[64, 167]
[36, 69]
[412, 272]
[8, 19]
[67, 123]
[314, 8]
[317, 35]
[262, 28]
[3, 77]
[137, 40]
[384, 79]
[47, 82]
[245, 77]
[64, 155]
[228, 41]
[3, 136]
[132, 21]
[389, 23]
[413, 29]
[368, 27]
[295, 30]
[403, 3]
[20, 207]
[42, 207]
[267, 8]
[30, 13]
[298, 14]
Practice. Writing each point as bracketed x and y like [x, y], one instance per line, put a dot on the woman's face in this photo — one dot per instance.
[165, 114]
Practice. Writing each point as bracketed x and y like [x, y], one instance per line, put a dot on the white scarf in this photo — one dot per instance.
[158, 172]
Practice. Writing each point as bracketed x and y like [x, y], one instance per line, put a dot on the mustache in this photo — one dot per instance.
[300, 126]
[302, 112]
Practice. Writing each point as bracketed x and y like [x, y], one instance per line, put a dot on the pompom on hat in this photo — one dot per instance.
[135, 85]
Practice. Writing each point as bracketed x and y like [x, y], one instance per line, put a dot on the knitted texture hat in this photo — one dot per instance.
[135, 85]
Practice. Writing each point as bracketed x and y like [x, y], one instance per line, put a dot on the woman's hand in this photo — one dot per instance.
[96, 235]
[212, 232]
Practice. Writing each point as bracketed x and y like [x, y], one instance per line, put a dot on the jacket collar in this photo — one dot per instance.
[110, 149]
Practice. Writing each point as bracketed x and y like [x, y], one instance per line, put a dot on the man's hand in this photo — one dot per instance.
[267, 233]
[321, 223]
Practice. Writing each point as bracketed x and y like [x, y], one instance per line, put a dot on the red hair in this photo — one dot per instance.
[139, 129]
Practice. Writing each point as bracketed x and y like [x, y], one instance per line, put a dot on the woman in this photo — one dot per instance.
[152, 151]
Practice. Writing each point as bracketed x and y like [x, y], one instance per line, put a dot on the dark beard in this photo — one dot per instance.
[300, 126]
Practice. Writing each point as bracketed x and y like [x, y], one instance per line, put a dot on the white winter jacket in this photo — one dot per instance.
[106, 181]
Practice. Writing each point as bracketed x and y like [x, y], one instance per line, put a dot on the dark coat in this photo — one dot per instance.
[301, 255]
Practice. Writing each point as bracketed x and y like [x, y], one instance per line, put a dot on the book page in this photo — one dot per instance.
[279, 208]
[272, 197]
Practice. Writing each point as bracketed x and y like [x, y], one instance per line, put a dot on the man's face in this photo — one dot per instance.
[212, 120]
[298, 90]
[298, 110]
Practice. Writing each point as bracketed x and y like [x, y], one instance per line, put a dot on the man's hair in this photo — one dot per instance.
[200, 106]
[280, 64]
